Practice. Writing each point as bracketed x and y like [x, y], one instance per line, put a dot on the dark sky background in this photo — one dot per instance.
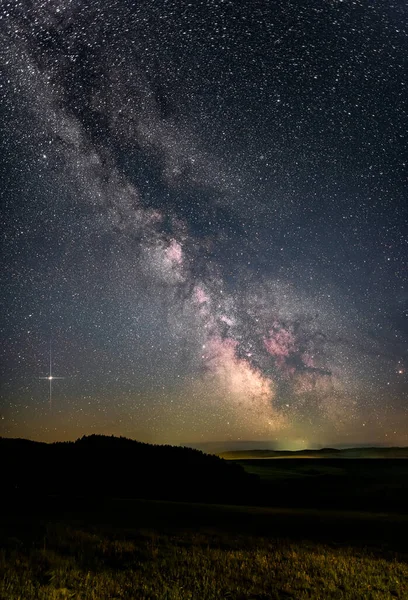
[204, 208]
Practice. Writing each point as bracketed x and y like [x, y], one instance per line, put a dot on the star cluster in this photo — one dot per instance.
[205, 208]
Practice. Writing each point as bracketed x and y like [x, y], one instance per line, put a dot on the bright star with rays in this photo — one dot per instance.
[51, 378]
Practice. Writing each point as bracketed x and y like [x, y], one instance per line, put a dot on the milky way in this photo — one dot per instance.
[205, 209]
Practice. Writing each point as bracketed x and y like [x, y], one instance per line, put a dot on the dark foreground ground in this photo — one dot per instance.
[379, 485]
[305, 546]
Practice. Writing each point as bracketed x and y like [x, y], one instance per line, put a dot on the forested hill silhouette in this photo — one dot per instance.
[120, 467]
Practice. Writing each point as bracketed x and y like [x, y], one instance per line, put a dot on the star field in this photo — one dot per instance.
[205, 211]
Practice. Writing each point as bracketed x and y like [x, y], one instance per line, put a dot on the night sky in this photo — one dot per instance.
[204, 210]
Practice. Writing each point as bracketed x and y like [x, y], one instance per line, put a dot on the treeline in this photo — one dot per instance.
[120, 467]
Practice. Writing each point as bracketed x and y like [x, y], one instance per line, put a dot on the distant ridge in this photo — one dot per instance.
[372, 452]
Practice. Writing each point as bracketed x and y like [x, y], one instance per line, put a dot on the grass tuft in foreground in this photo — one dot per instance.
[74, 562]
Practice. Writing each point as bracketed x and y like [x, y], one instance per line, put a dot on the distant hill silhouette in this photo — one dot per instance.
[373, 452]
[120, 467]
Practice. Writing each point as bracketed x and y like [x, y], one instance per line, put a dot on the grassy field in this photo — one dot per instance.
[363, 484]
[380, 471]
[97, 549]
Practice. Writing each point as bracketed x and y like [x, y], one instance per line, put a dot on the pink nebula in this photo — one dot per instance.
[227, 320]
[308, 360]
[200, 296]
[174, 252]
[280, 343]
